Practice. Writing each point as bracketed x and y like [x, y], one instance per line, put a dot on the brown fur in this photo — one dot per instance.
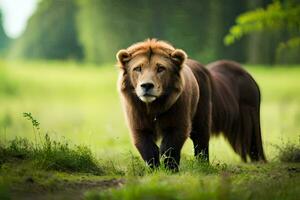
[190, 101]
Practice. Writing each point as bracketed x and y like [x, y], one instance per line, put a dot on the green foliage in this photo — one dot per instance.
[289, 152]
[281, 17]
[288, 52]
[277, 16]
[50, 34]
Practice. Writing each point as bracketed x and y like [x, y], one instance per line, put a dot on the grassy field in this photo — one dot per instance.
[78, 104]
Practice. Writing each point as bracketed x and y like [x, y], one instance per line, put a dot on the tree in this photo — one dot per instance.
[281, 18]
[198, 26]
[51, 33]
[4, 40]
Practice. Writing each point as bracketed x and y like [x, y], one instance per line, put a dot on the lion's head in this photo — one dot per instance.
[151, 69]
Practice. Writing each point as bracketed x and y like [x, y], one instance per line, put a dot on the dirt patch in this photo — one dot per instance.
[62, 189]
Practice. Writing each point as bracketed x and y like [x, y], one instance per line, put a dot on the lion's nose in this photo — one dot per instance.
[147, 86]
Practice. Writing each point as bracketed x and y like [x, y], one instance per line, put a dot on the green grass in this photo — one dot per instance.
[48, 154]
[21, 177]
[51, 155]
[77, 106]
[259, 182]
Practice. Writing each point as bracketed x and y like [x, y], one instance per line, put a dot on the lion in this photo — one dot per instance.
[170, 98]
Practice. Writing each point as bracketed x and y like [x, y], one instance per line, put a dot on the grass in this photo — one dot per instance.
[289, 152]
[22, 177]
[258, 183]
[70, 103]
[51, 155]
[48, 154]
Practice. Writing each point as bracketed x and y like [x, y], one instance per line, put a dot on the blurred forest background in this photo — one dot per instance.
[248, 31]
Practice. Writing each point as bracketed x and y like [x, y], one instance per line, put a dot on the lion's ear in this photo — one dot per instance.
[178, 56]
[123, 57]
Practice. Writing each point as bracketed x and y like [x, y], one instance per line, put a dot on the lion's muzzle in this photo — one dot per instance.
[146, 92]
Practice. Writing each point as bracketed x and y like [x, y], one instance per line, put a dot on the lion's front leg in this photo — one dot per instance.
[170, 148]
[147, 148]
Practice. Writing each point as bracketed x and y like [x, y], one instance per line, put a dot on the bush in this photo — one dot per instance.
[289, 152]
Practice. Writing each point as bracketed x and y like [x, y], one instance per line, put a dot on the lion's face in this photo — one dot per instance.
[151, 74]
[150, 77]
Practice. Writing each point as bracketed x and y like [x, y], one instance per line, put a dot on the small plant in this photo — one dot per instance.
[35, 125]
[34, 122]
[289, 152]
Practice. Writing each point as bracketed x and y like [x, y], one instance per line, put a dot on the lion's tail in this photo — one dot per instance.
[248, 140]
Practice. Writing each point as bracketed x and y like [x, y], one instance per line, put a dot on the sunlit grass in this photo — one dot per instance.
[232, 182]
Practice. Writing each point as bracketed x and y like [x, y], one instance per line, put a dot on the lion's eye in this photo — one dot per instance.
[160, 68]
[137, 69]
